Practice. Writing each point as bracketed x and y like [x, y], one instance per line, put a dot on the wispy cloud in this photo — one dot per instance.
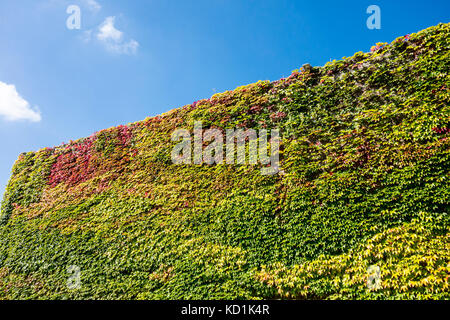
[92, 5]
[113, 39]
[13, 107]
[86, 36]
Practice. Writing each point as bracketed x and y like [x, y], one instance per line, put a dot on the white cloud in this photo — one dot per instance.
[108, 32]
[92, 5]
[13, 107]
[113, 38]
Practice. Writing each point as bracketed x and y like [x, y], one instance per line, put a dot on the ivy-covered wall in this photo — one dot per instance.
[365, 182]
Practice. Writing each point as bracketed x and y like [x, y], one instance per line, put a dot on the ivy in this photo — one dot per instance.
[365, 159]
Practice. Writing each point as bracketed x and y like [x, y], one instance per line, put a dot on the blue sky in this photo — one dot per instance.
[133, 59]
